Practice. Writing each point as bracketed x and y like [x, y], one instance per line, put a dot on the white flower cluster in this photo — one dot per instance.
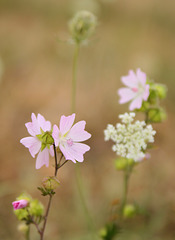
[130, 138]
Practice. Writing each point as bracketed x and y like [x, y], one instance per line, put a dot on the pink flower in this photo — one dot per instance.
[137, 90]
[68, 137]
[39, 129]
[20, 204]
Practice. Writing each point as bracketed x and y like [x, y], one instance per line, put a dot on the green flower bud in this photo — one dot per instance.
[36, 208]
[156, 115]
[122, 163]
[50, 183]
[144, 107]
[46, 139]
[82, 26]
[161, 90]
[21, 214]
[25, 196]
[129, 211]
[152, 96]
[109, 231]
[103, 233]
[23, 228]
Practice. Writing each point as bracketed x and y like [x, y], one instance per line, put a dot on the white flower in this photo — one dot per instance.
[130, 139]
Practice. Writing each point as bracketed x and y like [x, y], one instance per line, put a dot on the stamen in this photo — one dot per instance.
[70, 142]
[135, 89]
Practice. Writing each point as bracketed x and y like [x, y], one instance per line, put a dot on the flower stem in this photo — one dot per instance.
[125, 186]
[83, 202]
[73, 108]
[74, 77]
[28, 234]
[57, 166]
[56, 161]
[45, 218]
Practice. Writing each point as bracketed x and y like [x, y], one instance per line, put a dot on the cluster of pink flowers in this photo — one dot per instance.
[67, 138]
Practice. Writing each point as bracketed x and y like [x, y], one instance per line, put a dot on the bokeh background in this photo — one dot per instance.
[35, 76]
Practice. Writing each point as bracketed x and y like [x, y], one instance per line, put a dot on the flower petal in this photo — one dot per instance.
[66, 154]
[74, 152]
[42, 158]
[77, 132]
[33, 127]
[141, 77]
[32, 143]
[66, 123]
[45, 125]
[55, 135]
[130, 80]
[146, 93]
[51, 151]
[126, 94]
[136, 103]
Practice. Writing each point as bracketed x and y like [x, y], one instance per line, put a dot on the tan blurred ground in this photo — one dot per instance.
[37, 78]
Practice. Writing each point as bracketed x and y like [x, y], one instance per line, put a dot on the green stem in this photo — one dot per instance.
[125, 191]
[74, 77]
[78, 173]
[46, 217]
[41, 232]
[28, 234]
[83, 202]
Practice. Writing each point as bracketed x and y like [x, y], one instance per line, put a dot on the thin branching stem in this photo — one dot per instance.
[74, 77]
[57, 166]
[46, 217]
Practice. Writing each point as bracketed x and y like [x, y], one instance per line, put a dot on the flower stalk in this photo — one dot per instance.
[57, 166]
[127, 174]
[79, 181]
[74, 77]
[28, 234]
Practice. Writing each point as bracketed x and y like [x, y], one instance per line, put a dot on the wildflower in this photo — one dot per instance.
[137, 90]
[130, 139]
[20, 204]
[41, 140]
[68, 137]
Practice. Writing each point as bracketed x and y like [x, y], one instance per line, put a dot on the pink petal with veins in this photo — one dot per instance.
[146, 93]
[75, 152]
[45, 125]
[32, 143]
[141, 76]
[66, 123]
[136, 103]
[33, 127]
[126, 94]
[77, 132]
[42, 158]
[55, 135]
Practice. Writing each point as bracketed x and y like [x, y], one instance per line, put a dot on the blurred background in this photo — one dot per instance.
[35, 76]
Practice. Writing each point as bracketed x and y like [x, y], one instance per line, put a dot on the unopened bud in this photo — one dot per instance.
[46, 139]
[50, 183]
[82, 26]
[152, 96]
[36, 208]
[161, 90]
[156, 115]
[122, 163]
[20, 204]
[129, 211]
